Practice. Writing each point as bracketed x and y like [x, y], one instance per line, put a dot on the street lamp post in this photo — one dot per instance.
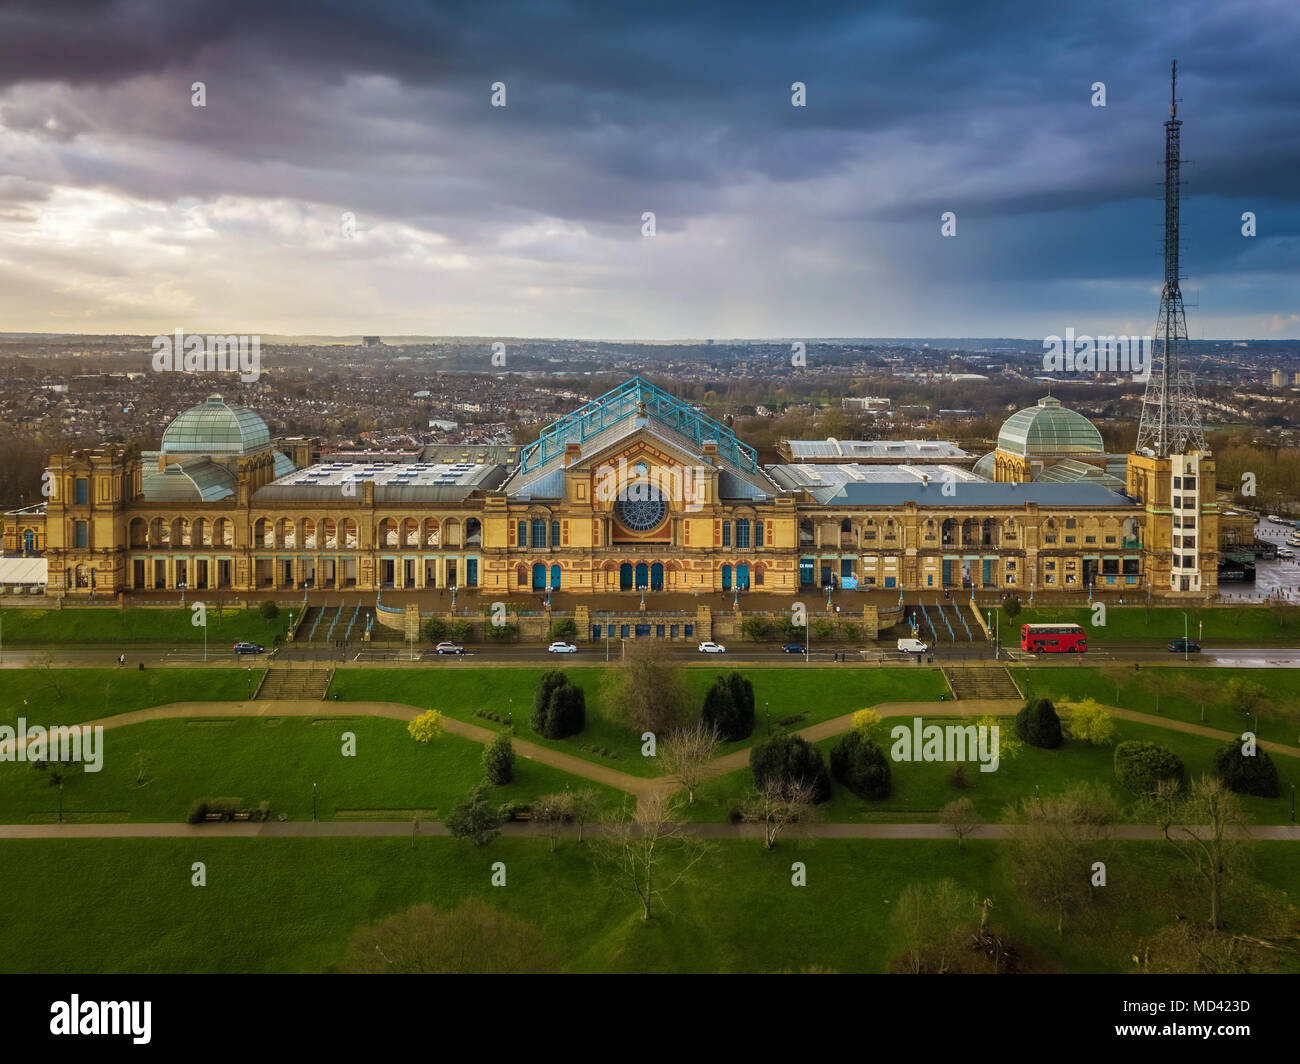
[313, 801]
[60, 801]
[1185, 651]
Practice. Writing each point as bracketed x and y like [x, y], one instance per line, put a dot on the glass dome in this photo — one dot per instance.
[214, 427]
[1049, 429]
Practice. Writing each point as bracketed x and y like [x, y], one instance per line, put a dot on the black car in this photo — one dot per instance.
[249, 648]
[794, 648]
[1183, 646]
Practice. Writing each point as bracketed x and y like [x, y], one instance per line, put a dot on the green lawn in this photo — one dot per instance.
[273, 759]
[921, 789]
[1176, 691]
[138, 624]
[1209, 625]
[289, 905]
[820, 694]
[68, 696]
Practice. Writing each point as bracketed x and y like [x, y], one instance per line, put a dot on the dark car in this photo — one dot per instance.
[1183, 646]
[794, 648]
[249, 648]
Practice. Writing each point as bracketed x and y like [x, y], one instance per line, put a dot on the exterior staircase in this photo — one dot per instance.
[294, 685]
[970, 682]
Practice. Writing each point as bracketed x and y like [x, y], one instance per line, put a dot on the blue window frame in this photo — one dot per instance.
[539, 533]
[726, 533]
[82, 491]
[742, 534]
[522, 539]
[758, 533]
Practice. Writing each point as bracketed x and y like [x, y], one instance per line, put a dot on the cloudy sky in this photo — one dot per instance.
[125, 208]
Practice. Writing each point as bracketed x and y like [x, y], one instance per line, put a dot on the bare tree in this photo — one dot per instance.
[776, 805]
[687, 754]
[553, 810]
[961, 818]
[647, 854]
[927, 918]
[1207, 827]
[585, 806]
[647, 687]
[1054, 842]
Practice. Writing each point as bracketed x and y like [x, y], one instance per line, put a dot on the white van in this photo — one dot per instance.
[912, 646]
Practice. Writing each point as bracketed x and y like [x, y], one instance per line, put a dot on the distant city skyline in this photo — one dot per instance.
[349, 175]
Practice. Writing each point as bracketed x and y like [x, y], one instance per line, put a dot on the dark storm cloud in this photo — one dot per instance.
[683, 108]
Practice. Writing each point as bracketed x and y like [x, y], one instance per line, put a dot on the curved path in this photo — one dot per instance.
[638, 786]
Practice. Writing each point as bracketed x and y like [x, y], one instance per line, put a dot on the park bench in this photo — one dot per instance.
[245, 815]
[521, 815]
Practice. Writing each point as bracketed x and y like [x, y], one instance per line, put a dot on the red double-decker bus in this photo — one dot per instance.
[1053, 638]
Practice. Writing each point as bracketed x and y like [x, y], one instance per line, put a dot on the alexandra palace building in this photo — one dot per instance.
[635, 491]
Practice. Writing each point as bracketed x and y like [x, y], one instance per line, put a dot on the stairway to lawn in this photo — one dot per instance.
[979, 681]
[294, 684]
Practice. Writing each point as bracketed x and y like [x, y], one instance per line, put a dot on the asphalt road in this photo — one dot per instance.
[161, 656]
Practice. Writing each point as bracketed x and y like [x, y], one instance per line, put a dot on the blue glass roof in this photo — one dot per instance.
[633, 398]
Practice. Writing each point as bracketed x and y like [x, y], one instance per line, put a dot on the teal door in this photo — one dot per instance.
[988, 572]
[642, 574]
[555, 578]
[947, 573]
[625, 576]
[726, 578]
[539, 577]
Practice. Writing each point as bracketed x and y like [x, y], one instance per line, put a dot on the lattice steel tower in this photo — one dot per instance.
[1171, 416]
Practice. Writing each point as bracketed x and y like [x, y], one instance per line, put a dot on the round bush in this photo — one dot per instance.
[269, 609]
[861, 766]
[1038, 725]
[788, 759]
[1141, 766]
[1255, 774]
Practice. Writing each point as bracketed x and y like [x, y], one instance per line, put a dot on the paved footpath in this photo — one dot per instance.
[638, 786]
[404, 829]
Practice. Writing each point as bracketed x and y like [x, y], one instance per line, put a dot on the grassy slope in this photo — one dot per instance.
[277, 760]
[289, 905]
[818, 692]
[138, 624]
[1247, 625]
[922, 789]
[1183, 692]
[67, 696]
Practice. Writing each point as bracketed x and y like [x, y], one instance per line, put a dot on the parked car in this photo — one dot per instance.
[1183, 646]
[1276, 520]
[561, 648]
[1285, 552]
[912, 646]
[449, 648]
[794, 648]
[712, 648]
[249, 648]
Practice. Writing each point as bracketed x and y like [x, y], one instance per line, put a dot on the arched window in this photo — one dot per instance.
[846, 525]
[726, 533]
[758, 533]
[539, 533]
[521, 539]
[742, 534]
[555, 533]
